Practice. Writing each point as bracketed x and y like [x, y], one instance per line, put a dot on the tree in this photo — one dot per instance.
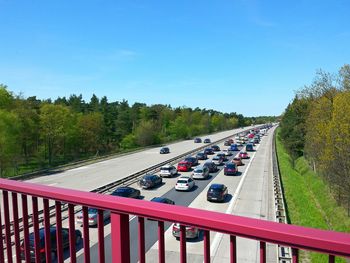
[9, 148]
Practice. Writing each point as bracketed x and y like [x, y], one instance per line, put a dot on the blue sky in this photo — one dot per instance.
[238, 56]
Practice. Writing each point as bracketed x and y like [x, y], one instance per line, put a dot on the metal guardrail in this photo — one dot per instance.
[128, 180]
[284, 253]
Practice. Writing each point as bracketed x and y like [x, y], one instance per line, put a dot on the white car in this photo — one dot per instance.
[217, 160]
[168, 171]
[227, 152]
[184, 183]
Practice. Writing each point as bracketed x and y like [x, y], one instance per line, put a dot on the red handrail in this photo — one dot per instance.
[329, 242]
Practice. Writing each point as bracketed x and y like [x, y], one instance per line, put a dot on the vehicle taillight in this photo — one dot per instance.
[186, 184]
[91, 218]
[42, 250]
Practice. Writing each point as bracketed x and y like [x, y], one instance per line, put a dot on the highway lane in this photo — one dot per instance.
[181, 198]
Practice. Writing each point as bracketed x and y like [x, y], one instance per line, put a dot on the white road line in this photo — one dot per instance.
[218, 236]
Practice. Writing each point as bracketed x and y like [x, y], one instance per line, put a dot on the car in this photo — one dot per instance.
[184, 183]
[150, 180]
[207, 140]
[201, 156]
[192, 160]
[197, 140]
[92, 216]
[211, 165]
[200, 172]
[249, 147]
[217, 192]
[234, 147]
[184, 166]
[53, 245]
[237, 160]
[215, 148]
[230, 169]
[256, 140]
[164, 150]
[126, 191]
[191, 231]
[251, 141]
[208, 151]
[227, 143]
[168, 171]
[230, 141]
[218, 160]
[243, 155]
[227, 152]
[163, 200]
[222, 155]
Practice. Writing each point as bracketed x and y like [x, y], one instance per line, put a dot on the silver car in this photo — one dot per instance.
[168, 171]
[92, 215]
[200, 172]
[191, 231]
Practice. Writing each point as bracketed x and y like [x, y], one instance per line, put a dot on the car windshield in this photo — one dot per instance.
[148, 177]
[92, 211]
[165, 169]
[216, 158]
[123, 190]
[198, 171]
[230, 166]
[182, 164]
[215, 190]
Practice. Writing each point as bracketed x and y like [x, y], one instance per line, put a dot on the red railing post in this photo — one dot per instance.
[2, 259]
[142, 252]
[59, 240]
[206, 236]
[233, 249]
[36, 228]
[331, 259]
[47, 230]
[262, 252]
[86, 235]
[7, 226]
[16, 227]
[120, 238]
[183, 253]
[72, 241]
[26, 228]
[161, 245]
[295, 255]
[101, 237]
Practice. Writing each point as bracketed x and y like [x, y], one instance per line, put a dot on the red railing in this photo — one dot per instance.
[328, 242]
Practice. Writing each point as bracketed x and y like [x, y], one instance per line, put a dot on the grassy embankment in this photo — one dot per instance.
[309, 201]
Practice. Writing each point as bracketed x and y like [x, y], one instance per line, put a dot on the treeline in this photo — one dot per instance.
[317, 125]
[42, 133]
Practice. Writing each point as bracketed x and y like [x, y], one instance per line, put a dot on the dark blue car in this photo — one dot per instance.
[234, 147]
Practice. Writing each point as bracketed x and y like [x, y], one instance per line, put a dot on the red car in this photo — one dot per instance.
[230, 169]
[244, 155]
[184, 166]
[237, 160]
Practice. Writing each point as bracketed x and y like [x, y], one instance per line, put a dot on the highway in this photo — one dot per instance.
[242, 199]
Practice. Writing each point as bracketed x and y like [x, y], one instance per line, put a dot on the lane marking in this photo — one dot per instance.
[218, 236]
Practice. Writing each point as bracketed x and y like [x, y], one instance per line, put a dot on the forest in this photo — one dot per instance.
[316, 125]
[37, 134]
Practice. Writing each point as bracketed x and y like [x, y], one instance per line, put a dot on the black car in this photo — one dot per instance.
[126, 191]
[164, 150]
[212, 166]
[208, 151]
[207, 140]
[215, 148]
[201, 156]
[192, 160]
[217, 192]
[150, 181]
[42, 255]
[163, 200]
[197, 140]
[227, 143]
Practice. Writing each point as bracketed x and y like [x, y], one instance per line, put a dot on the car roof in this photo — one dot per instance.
[159, 199]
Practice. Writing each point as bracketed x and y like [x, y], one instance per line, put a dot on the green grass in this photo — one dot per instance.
[309, 201]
